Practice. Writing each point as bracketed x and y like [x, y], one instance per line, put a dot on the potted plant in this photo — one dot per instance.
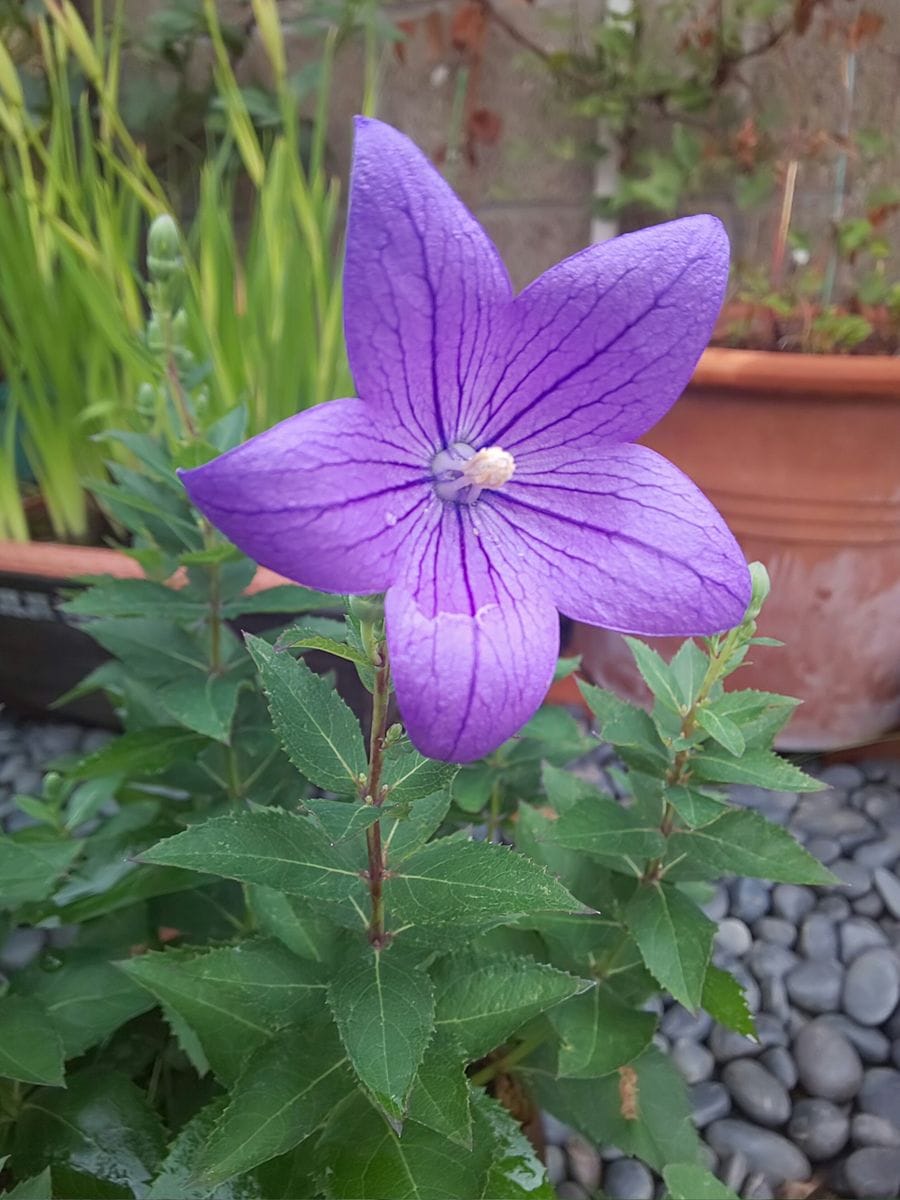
[805, 359]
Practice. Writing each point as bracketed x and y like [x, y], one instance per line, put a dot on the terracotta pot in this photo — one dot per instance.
[801, 454]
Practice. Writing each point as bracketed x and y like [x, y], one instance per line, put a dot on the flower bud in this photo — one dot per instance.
[760, 586]
[368, 609]
[164, 249]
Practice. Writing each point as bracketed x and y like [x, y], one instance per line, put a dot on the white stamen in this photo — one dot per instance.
[462, 473]
[490, 468]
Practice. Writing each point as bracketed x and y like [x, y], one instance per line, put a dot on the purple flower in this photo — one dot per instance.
[488, 476]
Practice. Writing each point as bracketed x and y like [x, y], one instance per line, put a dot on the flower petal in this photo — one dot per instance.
[326, 497]
[627, 541]
[473, 638]
[422, 281]
[601, 345]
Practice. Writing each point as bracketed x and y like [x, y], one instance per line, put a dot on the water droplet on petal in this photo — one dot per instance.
[390, 518]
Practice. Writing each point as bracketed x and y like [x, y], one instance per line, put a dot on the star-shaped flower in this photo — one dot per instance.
[488, 477]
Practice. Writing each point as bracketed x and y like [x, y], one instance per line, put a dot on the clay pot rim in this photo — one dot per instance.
[56, 560]
[824, 376]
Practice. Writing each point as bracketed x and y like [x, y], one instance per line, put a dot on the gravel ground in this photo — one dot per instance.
[818, 1096]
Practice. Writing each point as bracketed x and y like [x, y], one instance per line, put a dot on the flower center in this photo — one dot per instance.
[461, 472]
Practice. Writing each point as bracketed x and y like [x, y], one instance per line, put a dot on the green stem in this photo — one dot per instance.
[372, 795]
[500, 1065]
[494, 815]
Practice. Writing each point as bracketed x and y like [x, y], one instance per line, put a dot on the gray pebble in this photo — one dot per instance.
[828, 1065]
[888, 885]
[872, 987]
[757, 1092]
[779, 1061]
[816, 984]
[792, 901]
[826, 850]
[726, 1045]
[571, 1191]
[584, 1163]
[733, 938]
[873, 1173]
[628, 1179]
[895, 1053]
[694, 1062]
[880, 1093]
[765, 960]
[841, 775]
[835, 907]
[764, 1150]
[758, 1187]
[868, 1130]
[775, 998]
[847, 826]
[770, 1031]
[555, 1162]
[661, 1042]
[750, 899]
[819, 1128]
[855, 880]
[858, 934]
[678, 1022]
[878, 802]
[734, 1170]
[709, 1102]
[716, 907]
[555, 1132]
[883, 853]
[610, 1153]
[776, 930]
[95, 739]
[872, 1044]
[818, 937]
[777, 806]
[869, 905]
[29, 782]
[12, 767]
[21, 947]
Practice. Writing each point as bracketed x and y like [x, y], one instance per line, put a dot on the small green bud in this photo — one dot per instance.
[53, 787]
[147, 397]
[180, 327]
[368, 609]
[760, 586]
[155, 338]
[163, 245]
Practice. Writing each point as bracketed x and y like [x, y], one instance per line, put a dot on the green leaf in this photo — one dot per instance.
[203, 703]
[101, 1125]
[741, 842]
[694, 807]
[564, 789]
[655, 674]
[761, 768]
[384, 1011]
[69, 1184]
[688, 670]
[139, 884]
[284, 598]
[515, 1172]
[86, 999]
[176, 1181]
[266, 846]
[409, 776]
[566, 667]
[725, 1001]
[36, 1188]
[721, 728]
[482, 1000]
[288, 919]
[472, 787]
[674, 938]
[341, 819]
[628, 728]
[440, 1095]
[687, 1181]
[142, 752]
[133, 598]
[656, 1126]
[234, 997]
[598, 1033]
[29, 869]
[601, 827]
[286, 1092]
[30, 1048]
[303, 637]
[452, 881]
[320, 734]
[407, 827]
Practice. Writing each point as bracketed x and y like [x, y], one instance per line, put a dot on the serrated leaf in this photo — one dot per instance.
[515, 1172]
[139, 884]
[141, 752]
[265, 846]
[409, 776]
[287, 918]
[761, 768]
[29, 869]
[284, 598]
[305, 637]
[741, 842]
[36, 1188]
[643, 1110]
[726, 1002]
[176, 1181]
[674, 938]
[286, 1092]
[407, 827]
[440, 1095]
[655, 673]
[341, 819]
[482, 1000]
[101, 1125]
[85, 999]
[472, 787]
[694, 807]
[69, 1184]
[628, 728]
[384, 1010]
[687, 1181]
[721, 728]
[319, 732]
[233, 997]
[451, 881]
[688, 669]
[598, 1033]
[601, 827]
[133, 598]
[30, 1048]
[564, 789]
